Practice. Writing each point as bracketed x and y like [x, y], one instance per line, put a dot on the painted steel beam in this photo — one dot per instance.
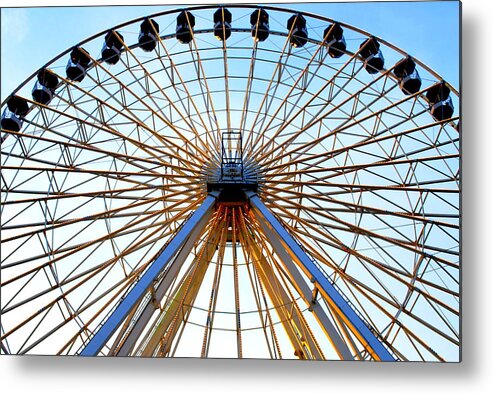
[306, 293]
[166, 326]
[125, 345]
[125, 307]
[330, 293]
[290, 317]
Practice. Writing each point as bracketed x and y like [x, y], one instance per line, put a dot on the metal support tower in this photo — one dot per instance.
[231, 187]
[197, 220]
[287, 244]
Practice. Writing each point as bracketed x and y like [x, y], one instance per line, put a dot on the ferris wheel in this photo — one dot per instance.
[232, 182]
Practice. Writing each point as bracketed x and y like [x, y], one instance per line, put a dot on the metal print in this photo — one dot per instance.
[234, 181]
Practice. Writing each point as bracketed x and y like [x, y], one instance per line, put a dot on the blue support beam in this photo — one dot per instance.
[116, 318]
[326, 288]
[306, 293]
[125, 347]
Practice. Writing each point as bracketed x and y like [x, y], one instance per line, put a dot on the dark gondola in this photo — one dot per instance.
[149, 29]
[222, 24]
[406, 73]
[13, 113]
[78, 64]
[299, 34]
[259, 20]
[184, 27]
[112, 47]
[44, 87]
[334, 40]
[441, 106]
[372, 55]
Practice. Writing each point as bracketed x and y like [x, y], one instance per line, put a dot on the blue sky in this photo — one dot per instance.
[31, 36]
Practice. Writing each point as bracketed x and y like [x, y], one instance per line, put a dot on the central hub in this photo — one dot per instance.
[232, 178]
[231, 182]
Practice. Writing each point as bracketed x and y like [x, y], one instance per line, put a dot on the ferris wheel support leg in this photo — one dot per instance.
[306, 293]
[124, 347]
[289, 246]
[125, 307]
